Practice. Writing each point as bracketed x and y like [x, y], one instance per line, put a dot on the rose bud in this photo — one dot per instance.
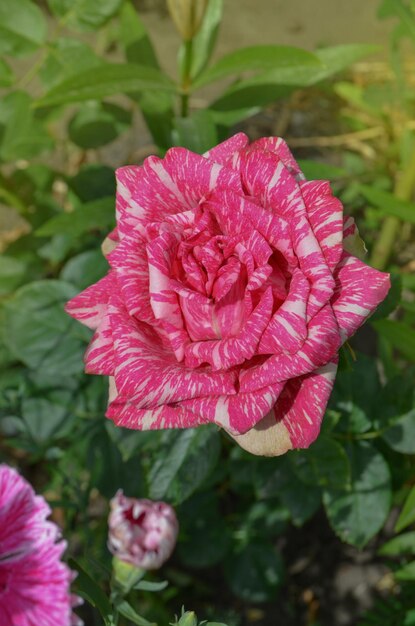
[187, 16]
[141, 532]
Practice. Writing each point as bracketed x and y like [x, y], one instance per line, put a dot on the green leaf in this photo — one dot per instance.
[337, 58]
[12, 272]
[315, 170]
[389, 204]
[301, 499]
[204, 535]
[400, 545]
[92, 592]
[96, 124]
[324, 463]
[196, 132]
[358, 513]
[257, 59]
[21, 135]
[67, 57]
[85, 269]
[106, 80]
[134, 38]
[148, 585]
[205, 39]
[95, 215]
[127, 611]
[84, 14]
[185, 459]
[401, 435]
[22, 27]
[407, 572]
[399, 334]
[243, 99]
[93, 181]
[45, 420]
[407, 515]
[6, 74]
[255, 573]
[39, 332]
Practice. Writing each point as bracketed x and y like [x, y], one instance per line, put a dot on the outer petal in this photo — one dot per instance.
[359, 290]
[166, 186]
[130, 265]
[278, 146]
[325, 214]
[322, 344]
[99, 357]
[90, 305]
[237, 413]
[224, 152]
[296, 418]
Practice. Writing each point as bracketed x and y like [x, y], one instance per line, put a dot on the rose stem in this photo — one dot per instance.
[391, 226]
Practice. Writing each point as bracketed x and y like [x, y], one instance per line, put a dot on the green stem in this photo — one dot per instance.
[186, 77]
[391, 226]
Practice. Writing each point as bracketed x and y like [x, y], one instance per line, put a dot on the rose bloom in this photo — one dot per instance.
[34, 582]
[230, 293]
[141, 532]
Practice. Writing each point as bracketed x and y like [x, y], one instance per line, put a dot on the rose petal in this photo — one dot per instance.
[325, 214]
[280, 148]
[359, 290]
[237, 413]
[322, 343]
[233, 351]
[287, 329]
[223, 152]
[99, 357]
[149, 376]
[90, 305]
[302, 404]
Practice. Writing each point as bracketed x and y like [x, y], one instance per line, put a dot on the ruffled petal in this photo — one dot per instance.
[90, 305]
[359, 290]
[325, 214]
[321, 345]
[237, 413]
[227, 353]
[287, 329]
[302, 404]
[224, 152]
[147, 375]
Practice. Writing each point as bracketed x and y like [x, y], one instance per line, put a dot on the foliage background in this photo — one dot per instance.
[73, 78]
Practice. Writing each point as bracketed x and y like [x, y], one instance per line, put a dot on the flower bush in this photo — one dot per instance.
[230, 293]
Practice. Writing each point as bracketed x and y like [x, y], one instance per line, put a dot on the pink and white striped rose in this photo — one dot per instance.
[230, 293]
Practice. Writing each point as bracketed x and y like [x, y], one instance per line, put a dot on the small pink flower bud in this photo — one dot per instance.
[141, 532]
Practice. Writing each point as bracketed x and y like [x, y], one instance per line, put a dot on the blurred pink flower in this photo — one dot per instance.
[141, 532]
[34, 582]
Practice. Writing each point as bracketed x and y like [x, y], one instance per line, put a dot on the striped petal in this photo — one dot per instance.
[223, 153]
[325, 214]
[90, 305]
[287, 329]
[302, 404]
[321, 345]
[237, 413]
[227, 353]
[359, 290]
[149, 376]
